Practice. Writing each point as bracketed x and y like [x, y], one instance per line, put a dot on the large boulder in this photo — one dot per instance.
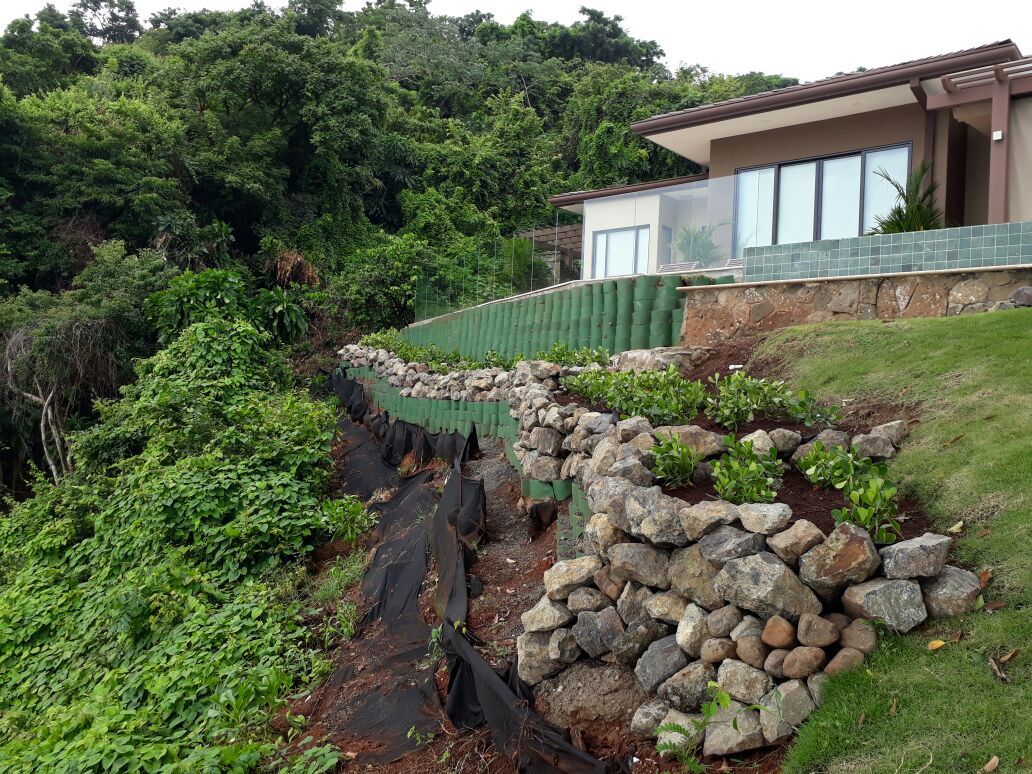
[686, 689]
[760, 441]
[803, 662]
[640, 562]
[743, 682]
[785, 441]
[587, 598]
[872, 445]
[828, 439]
[656, 516]
[705, 516]
[765, 518]
[566, 575]
[607, 495]
[547, 441]
[667, 606]
[701, 441]
[895, 431]
[596, 699]
[631, 604]
[628, 429]
[765, 585]
[896, 603]
[661, 358]
[920, 557]
[601, 535]
[733, 729]
[596, 633]
[727, 543]
[541, 467]
[795, 541]
[533, 661]
[692, 577]
[629, 646]
[632, 469]
[847, 556]
[545, 616]
[788, 705]
[659, 662]
[952, 592]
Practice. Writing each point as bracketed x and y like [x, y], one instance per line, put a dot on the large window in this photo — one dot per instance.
[621, 251]
[825, 198]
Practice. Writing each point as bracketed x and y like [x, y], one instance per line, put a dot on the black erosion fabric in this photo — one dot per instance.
[405, 696]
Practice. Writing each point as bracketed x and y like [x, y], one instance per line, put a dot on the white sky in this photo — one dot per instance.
[808, 39]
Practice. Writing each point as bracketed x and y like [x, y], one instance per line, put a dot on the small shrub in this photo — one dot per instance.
[675, 461]
[837, 467]
[347, 518]
[743, 476]
[740, 398]
[564, 355]
[805, 408]
[872, 507]
[662, 397]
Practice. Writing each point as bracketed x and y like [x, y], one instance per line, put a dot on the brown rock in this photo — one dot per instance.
[803, 662]
[773, 665]
[844, 660]
[841, 620]
[847, 556]
[722, 620]
[716, 649]
[607, 584]
[752, 651]
[860, 635]
[779, 632]
[816, 632]
[795, 541]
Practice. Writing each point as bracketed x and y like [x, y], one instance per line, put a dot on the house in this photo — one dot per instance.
[800, 167]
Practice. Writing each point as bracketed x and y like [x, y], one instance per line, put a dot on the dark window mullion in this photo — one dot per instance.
[777, 205]
[863, 185]
[818, 186]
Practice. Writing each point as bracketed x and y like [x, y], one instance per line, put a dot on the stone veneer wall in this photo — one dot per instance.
[715, 314]
[944, 249]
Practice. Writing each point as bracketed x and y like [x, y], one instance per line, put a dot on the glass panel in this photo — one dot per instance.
[643, 250]
[598, 256]
[620, 252]
[754, 208]
[840, 197]
[666, 245]
[879, 195]
[797, 194]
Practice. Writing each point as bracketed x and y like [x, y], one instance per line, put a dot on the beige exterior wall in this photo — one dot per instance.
[822, 138]
[619, 212]
[1019, 171]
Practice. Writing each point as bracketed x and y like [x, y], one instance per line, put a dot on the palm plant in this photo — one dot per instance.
[915, 208]
[697, 243]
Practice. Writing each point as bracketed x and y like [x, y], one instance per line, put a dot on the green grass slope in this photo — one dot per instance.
[969, 459]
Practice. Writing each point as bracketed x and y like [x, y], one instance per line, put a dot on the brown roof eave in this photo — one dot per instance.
[842, 86]
[576, 197]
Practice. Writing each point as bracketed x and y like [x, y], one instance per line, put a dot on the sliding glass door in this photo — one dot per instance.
[827, 198]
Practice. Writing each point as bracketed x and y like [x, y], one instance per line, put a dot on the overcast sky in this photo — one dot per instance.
[808, 39]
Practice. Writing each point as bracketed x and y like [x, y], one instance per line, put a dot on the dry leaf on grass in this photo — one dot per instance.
[955, 637]
[957, 528]
[991, 764]
[935, 644]
[996, 604]
[1008, 656]
[984, 577]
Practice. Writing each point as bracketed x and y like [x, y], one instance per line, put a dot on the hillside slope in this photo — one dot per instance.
[968, 459]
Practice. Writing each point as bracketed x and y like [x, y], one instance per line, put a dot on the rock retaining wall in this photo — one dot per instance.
[715, 314]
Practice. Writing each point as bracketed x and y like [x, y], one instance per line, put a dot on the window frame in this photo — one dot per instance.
[594, 257]
[818, 186]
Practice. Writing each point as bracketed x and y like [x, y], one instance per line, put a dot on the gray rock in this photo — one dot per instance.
[828, 438]
[702, 441]
[896, 603]
[761, 442]
[597, 632]
[727, 543]
[542, 369]
[691, 630]
[734, 729]
[607, 495]
[626, 429]
[605, 454]
[765, 585]
[743, 682]
[765, 518]
[547, 441]
[895, 431]
[773, 665]
[920, 557]
[648, 717]
[847, 556]
[686, 689]
[661, 358]
[534, 663]
[562, 646]
[661, 659]
[541, 467]
[1021, 296]
[566, 575]
[629, 646]
[587, 598]
[690, 723]
[601, 535]
[633, 470]
[545, 616]
[749, 626]
[667, 606]
[816, 632]
[795, 541]
[631, 605]
[692, 577]
[788, 705]
[877, 447]
[656, 517]
[704, 517]
[723, 620]
[816, 685]
[639, 562]
[952, 592]
[785, 441]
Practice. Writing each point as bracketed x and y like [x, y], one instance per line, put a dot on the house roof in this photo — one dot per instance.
[576, 197]
[837, 86]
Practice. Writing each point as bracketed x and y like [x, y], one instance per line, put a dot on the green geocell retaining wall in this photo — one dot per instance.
[618, 314]
[454, 415]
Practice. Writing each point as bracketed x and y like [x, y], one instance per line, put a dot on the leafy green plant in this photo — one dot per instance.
[675, 461]
[662, 397]
[743, 476]
[697, 243]
[915, 208]
[740, 397]
[567, 356]
[805, 408]
[683, 749]
[837, 467]
[872, 507]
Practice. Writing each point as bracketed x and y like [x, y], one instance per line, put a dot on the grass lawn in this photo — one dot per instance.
[969, 459]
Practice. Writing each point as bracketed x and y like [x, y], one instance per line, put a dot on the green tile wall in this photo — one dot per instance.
[966, 247]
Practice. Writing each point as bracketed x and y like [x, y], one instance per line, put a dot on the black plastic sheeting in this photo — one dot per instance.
[392, 586]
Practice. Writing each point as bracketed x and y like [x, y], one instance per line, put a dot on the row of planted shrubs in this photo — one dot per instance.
[665, 398]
